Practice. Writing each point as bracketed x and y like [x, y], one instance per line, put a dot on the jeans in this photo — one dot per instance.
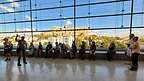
[135, 60]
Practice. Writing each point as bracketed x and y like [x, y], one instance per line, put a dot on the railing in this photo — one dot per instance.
[98, 50]
[100, 53]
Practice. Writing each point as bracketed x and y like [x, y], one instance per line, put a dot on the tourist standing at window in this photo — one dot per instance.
[130, 42]
[22, 45]
[135, 47]
[48, 49]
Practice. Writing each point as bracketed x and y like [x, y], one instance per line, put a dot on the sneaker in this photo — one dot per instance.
[18, 64]
[133, 69]
[6, 59]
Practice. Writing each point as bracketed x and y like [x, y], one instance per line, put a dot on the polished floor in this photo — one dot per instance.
[40, 69]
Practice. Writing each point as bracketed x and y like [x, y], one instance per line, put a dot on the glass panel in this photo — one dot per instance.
[103, 37]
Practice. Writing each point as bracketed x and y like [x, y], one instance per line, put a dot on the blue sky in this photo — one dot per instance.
[100, 9]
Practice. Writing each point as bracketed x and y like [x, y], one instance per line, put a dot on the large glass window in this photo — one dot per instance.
[53, 20]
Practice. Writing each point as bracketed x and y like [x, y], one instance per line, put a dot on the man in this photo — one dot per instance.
[135, 47]
[22, 45]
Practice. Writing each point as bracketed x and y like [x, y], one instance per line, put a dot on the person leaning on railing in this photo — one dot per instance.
[48, 50]
[82, 50]
[111, 51]
[92, 51]
[7, 49]
[56, 50]
[73, 49]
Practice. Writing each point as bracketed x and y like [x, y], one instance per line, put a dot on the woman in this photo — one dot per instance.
[7, 49]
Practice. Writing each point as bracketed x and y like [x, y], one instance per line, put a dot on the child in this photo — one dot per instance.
[56, 50]
[48, 50]
[135, 47]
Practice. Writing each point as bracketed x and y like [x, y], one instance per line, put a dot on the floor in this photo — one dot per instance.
[40, 69]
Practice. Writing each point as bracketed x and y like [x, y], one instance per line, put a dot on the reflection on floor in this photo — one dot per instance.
[40, 69]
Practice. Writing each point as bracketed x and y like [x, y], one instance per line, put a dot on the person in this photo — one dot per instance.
[11, 47]
[21, 47]
[130, 42]
[31, 49]
[82, 50]
[135, 47]
[7, 49]
[74, 49]
[48, 50]
[60, 54]
[56, 50]
[40, 50]
[111, 51]
[63, 50]
[92, 51]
